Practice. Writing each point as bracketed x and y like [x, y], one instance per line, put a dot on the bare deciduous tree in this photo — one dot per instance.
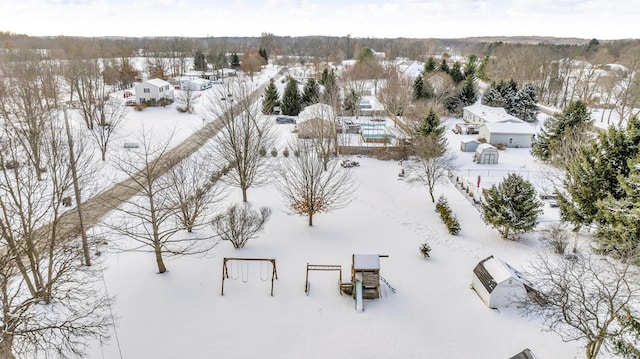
[431, 165]
[395, 93]
[239, 223]
[192, 192]
[582, 299]
[244, 133]
[29, 95]
[186, 99]
[49, 303]
[308, 188]
[148, 219]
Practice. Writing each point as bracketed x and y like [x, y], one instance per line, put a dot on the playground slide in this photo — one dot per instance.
[358, 293]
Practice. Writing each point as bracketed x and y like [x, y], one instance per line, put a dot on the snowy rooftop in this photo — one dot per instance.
[499, 270]
[157, 82]
[511, 128]
[491, 114]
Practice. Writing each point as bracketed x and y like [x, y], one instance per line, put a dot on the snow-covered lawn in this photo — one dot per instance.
[432, 314]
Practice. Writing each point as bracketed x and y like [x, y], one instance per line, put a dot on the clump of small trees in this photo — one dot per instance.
[447, 216]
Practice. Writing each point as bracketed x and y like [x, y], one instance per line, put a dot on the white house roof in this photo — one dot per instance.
[491, 114]
[510, 128]
[318, 110]
[483, 146]
[157, 82]
[366, 261]
[499, 270]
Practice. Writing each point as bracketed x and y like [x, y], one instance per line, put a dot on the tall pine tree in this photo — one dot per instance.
[430, 65]
[271, 99]
[598, 174]
[418, 87]
[291, 98]
[310, 93]
[235, 61]
[573, 118]
[512, 206]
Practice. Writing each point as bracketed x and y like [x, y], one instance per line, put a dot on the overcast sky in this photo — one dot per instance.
[601, 19]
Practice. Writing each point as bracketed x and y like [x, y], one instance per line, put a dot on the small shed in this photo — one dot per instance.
[486, 154]
[497, 283]
[469, 145]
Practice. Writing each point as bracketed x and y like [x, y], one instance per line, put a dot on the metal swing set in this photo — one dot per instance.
[242, 270]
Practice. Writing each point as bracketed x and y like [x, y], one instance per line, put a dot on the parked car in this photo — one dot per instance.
[346, 163]
[285, 119]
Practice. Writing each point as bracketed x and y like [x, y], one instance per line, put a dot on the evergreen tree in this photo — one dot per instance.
[432, 131]
[618, 231]
[526, 104]
[511, 206]
[470, 69]
[430, 65]
[444, 67]
[481, 71]
[235, 61]
[331, 91]
[199, 61]
[456, 73]
[310, 93]
[430, 125]
[263, 53]
[492, 97]
[628, 346]
[418, 87]
[466, 95]
[271, 99]
[602, 172]
[291, 98]
[574, 117]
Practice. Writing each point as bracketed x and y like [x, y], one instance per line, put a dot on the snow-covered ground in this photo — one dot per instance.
[432, 314]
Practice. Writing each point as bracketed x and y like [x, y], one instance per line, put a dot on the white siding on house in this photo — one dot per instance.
[508, 134]
[153, 90]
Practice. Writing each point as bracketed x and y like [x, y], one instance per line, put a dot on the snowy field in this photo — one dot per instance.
[432, 314]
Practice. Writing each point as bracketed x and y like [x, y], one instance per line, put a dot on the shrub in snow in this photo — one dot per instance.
[448, 218]
[240, 223]
[425, 249]
[453, 225]
[556, 236]
[274, 152]
[262, 151]
[285, 152]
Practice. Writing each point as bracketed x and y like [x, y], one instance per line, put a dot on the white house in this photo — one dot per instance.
[510, 134]
[497, 283]
[479, 114]
[486, 154]
[154, 90]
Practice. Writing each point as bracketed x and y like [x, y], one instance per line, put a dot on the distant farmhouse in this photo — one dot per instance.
[154, 91]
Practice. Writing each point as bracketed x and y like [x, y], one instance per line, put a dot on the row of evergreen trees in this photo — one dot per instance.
[293, 101]
[601, 185]
[464, 79]
[520, 102]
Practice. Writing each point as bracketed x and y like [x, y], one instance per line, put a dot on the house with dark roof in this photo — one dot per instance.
[497, 283]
